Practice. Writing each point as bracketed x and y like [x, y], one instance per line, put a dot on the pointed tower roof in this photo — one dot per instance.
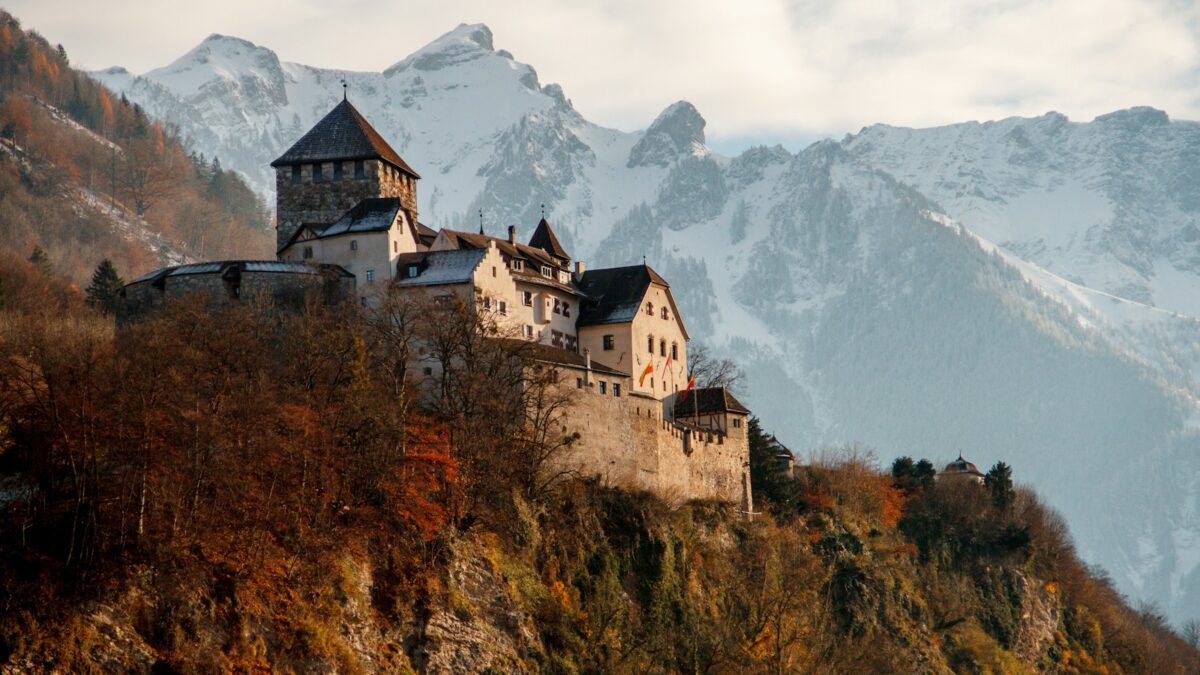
[343, 134]
[543, 238]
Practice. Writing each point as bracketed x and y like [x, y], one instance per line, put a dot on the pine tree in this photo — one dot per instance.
[770, 477]
[40, 260]
[102, 292]
[999, 483]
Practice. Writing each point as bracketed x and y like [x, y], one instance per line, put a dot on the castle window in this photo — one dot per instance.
[566, 309]
[527, 298]
[363, 301]
[664, 312]
[556, 338]
[528, 331]
[546, 272]
[370, 276]
[502, 307]
[493, 271]
[295, 174]
[557, 306]
[572, 342]
[337, 171]
[413, 271]
[395, 247]
[608, 343]
[650, 311]
[617, 389]
[650, 344]
[353, 244]
[662, 347]
[308, 253]
[603, 387]
[518, 265]
[318, 177]
[360, 169]
[652, 383]
[579, 383]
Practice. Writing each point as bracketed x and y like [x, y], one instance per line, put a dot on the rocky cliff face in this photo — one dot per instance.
[1023, 290]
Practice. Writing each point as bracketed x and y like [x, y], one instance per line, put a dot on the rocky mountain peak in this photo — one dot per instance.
[676, 132]
[466, 42]
[1139, 116]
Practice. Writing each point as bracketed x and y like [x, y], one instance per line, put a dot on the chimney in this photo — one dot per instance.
[512, 234]
[580, 268]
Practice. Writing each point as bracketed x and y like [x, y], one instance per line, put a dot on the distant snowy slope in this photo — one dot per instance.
[1022, 290]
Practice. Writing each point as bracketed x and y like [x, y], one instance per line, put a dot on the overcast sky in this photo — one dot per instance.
[791, 70]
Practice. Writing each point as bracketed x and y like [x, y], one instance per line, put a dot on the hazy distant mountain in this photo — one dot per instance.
[917, 290]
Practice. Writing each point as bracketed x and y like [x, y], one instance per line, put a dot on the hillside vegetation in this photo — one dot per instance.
[180, 498]
[85, 175]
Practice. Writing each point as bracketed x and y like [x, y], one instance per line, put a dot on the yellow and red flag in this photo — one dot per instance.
[649, 369]
[691, 385]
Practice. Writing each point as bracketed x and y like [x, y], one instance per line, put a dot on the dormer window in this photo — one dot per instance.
[518, 265]
[413, 271]
[546, 271]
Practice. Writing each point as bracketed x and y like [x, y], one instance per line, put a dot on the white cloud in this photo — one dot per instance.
[754, 68]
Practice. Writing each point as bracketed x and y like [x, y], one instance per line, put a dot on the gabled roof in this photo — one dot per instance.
[615, 294]
[543, 238]
[559, 356]
[232, 269]
[708, 401]
[343, 134]
[534, 257]
[373, 214]
[439, 267]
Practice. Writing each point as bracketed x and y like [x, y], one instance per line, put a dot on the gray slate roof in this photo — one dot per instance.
[236, 267]
[343, 134]
[374, 214]
[614, 294]
[439, 267]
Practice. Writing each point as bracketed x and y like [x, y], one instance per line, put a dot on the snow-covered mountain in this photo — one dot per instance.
[1022, 290]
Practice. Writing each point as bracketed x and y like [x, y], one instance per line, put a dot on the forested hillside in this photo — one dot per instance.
[180, 498]
[86, 175]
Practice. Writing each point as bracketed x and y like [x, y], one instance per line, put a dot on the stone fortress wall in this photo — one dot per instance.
[287, 286]
[626, 441]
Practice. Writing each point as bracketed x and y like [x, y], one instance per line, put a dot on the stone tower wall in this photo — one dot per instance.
[325, 202]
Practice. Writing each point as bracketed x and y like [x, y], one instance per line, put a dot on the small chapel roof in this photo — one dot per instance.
[343, 134]
[962, 466]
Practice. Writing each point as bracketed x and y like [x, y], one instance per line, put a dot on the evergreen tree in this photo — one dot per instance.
[999, 483]
[40, 260]
[770, 478]
[912, 476]
[102, 292]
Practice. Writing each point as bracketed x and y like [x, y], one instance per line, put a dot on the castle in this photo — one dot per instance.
[347, 222]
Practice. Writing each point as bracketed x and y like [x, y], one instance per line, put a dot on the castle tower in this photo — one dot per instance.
[338, 163]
